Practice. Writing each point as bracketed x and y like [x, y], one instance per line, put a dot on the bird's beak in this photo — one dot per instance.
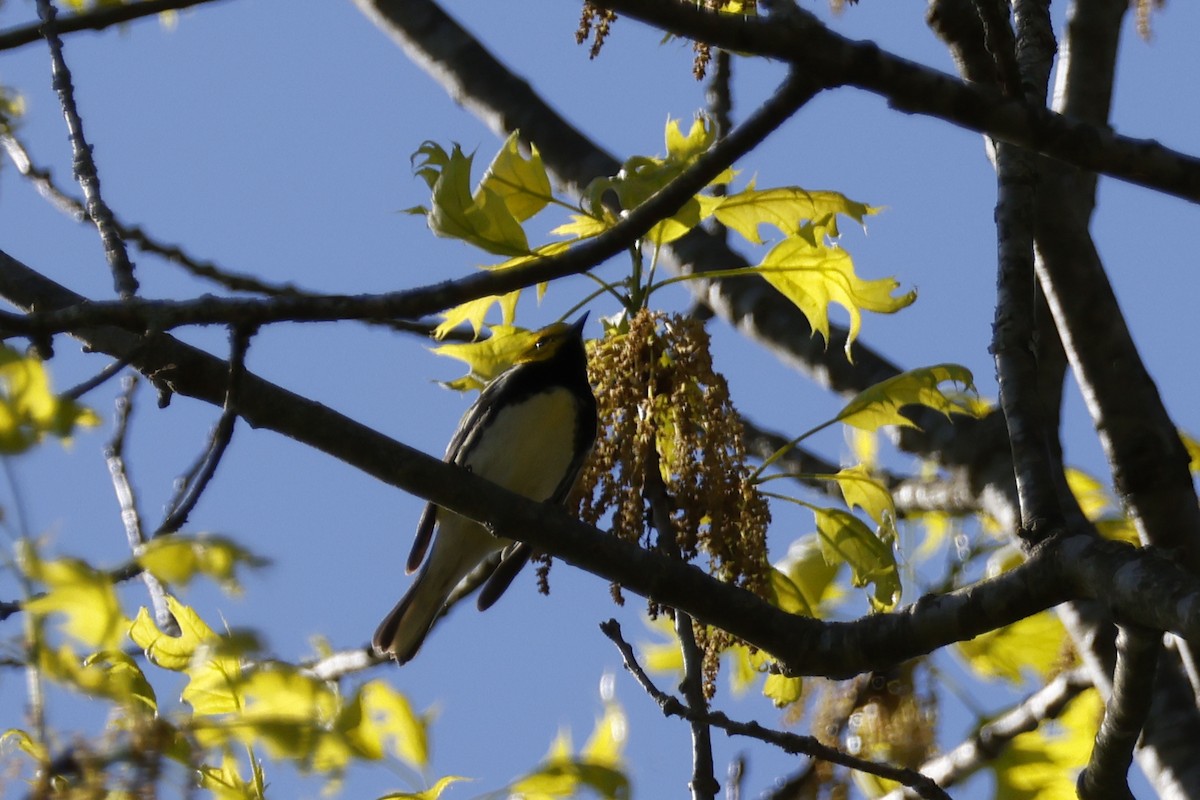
[577, 326]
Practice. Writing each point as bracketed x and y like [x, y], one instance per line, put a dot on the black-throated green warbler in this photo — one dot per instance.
[529, 431]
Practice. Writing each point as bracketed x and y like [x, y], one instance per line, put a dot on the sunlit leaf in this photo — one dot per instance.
[432, 793]
[493, 355]
[29, 410]
[226, 782]
[607, 741]
[166, 651]
[1044, 763]
[521, 182]
[78, 593]
[844, 537]
[785, 208]
[25, 743]
[397, 722]
[664, 655]
[475, 312]
[178, 559]
[597, 767]
[1193, 450]
[806, 568]
[788, 596]
[1094, 500]
[880, 404]
[782, 690]
[1034, 645]
[861, 490]
[481, 218]
[815, 275]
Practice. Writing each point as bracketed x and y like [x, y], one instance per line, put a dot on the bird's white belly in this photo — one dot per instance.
[529, 445]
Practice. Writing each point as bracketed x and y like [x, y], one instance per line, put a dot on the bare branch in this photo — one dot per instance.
[1104, 778]
[131, 518]
[85, 167]
[789, 742]
[992, 739]
[1142, 586]
[138, 315]
[193, 486]
[94, 19]
[913, 88]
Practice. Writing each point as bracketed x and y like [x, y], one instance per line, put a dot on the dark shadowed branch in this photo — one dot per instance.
[94, 19]
[792, 743]
[85, 166]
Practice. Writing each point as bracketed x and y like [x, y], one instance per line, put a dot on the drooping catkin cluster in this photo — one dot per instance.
[662, 408]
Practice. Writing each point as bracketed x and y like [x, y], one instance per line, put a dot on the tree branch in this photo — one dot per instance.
[986, 744]
[789, 742]
[139, 315]
[94, 19]
[1105, 777]
[911, 87]
[1141, 586]
[86, 173]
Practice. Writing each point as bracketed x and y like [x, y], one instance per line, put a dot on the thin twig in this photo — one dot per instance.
[85, 167]
[137, 314]
[114, 368]
[193, 486]
[131, 518]
[703, 785]
[993, 738]
[789, 742]
[94, 19]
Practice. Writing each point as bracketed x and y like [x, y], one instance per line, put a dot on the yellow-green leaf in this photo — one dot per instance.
[476, 311]
[782, 690]
[1091, 494]
[845, 538]
[83, 596]
[861, 490]
[432, 793]
[481, 218]
[1193, 451]
[1034, 644]
[785, 208]
[521, 182]
[396, 721]
[806, 568]
[25, 743]
[1043, 764]
[226, 782]
[178, 559]
[788, 596]
[607, 741]
[493, 355]
[880, 405]
[29, 410]
[166, 651]
[814, 275]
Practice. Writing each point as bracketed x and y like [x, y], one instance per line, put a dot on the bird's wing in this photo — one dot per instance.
[472, 422]
[511, 563]
[422, 539]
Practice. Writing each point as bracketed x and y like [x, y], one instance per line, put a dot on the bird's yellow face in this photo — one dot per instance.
[547, 343]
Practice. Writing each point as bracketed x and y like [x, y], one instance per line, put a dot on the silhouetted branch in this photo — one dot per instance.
[836, 61]
[94, 19]
[789, 742]
[85, 166]
[1105, 777]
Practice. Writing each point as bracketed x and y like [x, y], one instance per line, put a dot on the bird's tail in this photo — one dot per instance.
[404, 629]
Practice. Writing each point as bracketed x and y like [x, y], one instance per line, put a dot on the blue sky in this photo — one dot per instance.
[274, 138]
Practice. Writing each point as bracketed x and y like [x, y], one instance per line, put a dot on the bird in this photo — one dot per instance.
[530, 431]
